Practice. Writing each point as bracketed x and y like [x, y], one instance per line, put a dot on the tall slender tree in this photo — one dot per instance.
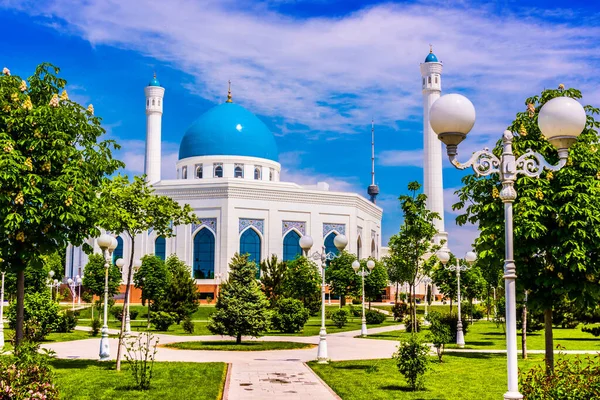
[412, 248]
[556, 217]
[52, 163]
[132, 208]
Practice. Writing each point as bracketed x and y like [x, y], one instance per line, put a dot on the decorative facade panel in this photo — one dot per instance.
[208, 222]
[328, 228]
[258, 224]
[287, 226]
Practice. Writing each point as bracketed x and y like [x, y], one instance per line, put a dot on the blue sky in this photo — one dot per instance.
[315, 71]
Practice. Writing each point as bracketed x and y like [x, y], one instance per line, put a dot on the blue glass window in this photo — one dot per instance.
[118, 252]
[250, 244]
[204, 255]
[160, 247]
[329, 246]
[291, 246]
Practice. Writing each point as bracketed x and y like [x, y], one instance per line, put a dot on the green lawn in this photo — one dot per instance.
[486, 335]
[444, 309]
[230, 345]
[458, 377]
[84, 379]
[52, 337]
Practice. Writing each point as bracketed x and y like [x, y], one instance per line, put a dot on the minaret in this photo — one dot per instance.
[154, 109]
[373, 189]
[431, 73]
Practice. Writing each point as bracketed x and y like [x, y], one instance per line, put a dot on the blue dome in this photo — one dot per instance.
[228, 130]
[431, 58]
[154, 82]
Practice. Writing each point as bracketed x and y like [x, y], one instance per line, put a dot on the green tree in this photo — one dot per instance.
[341, 277]
[410, 246]
[153, 279]
[556, 217]
[393, 266]
[132, 208]
[302, 281]
[52, 165]
[182, 294]
[93, 279]
[242, 308]
[445, 279]
[36, 278]
[376, 281]
[273, 274]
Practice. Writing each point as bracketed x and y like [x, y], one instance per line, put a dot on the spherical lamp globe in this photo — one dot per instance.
[452, 117]
[355, 265]
[370, 265]
[340, 242]
[306, 242]
[443, 256]
[561, 120]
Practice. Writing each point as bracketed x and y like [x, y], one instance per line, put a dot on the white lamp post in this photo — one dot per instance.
[306, 242]
[362, 273]
[561, 120]
[107, 243]
[470, 258]
[427, 282]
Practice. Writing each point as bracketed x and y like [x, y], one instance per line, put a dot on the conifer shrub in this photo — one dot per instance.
[289, 316]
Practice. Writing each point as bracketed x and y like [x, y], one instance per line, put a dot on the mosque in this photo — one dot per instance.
[228, 172]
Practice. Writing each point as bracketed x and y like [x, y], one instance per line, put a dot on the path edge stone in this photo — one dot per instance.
[333, 393]
[225, 395]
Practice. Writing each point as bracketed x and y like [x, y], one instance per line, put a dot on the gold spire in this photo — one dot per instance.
[154, 74]
[229, 94]
[430, 48]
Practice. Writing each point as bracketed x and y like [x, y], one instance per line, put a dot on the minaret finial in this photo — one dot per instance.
[154, 74]
[373, 189]
[229, 93]
[430, 48]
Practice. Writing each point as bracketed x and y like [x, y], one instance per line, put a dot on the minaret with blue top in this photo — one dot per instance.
[154, 110]
[433, 185]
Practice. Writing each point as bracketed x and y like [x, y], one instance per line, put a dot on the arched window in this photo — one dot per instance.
[204, 254]
[184, 173]
[160, 248]
[147, 103]
[199, 171]
[373, 249]
[429, 79]
[436, 79]
[118, 251]
[159, 102]
[271, 173]
[329, 246]
[152, 101]
[291, 246]
[218, 171]
[250, 244]
[358, 248]
[423, 81]
[238, 172]
[257, 173]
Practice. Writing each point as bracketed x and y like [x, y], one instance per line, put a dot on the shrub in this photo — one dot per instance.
[478, 312]
[339, 317]
[140, 356]
[412, 360]
[96, 325]
[188, 326]
[40, 315]
[439, 333]
[66, 322]
[374, 317]
[399, 310]
[118, 313]
[356, 301]
[450, 320]
[575, 379]
[355, 311]
[409, 326]
[595, 330]
[289, 316]
[162, 320]
[87, 297]
[133, 314]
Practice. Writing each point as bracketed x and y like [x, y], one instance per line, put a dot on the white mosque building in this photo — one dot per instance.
[228, 172]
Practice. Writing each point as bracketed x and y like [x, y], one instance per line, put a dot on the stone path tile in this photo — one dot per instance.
[260, 380]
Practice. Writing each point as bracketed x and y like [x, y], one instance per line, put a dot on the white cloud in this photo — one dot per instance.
[133, 152]
[333, 74]
[401, 158]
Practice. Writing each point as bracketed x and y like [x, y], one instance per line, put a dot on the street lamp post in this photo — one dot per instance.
[136, 265]
[306, 242]
[470, 258]
[71, 284]
[78, 281]
[427, 281]
[107, 243]
[561, 120]
[362, 273]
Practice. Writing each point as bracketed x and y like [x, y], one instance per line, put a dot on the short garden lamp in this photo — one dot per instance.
[362, 273]
[71, 284]
[306, 242]
[120, 263]
[107, 244]
[79, 281]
